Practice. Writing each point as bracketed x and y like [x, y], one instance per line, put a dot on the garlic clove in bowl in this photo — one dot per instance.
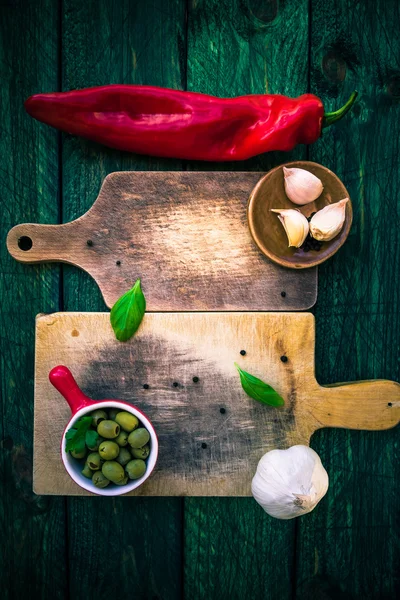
[328, 222]
[295, 224]
[301, 186]
[289, 483]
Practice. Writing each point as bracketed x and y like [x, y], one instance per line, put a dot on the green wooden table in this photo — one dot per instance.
[149, 548]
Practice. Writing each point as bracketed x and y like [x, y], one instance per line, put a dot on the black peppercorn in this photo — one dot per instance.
[195, 380]
[243, 352]
[89, 243]
[118, 263]
[222, 410]
[284, 358]
[175, 384]
[204, 445]
[283, 294]
[146, 386]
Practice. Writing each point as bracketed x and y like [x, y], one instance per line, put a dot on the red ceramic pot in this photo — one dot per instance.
[80, 404]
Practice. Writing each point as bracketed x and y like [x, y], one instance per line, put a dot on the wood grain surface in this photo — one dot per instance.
[117, 42]
[349, 549]
[33, 549]
[237, 47]
[216, 548]
[184, 234]
[187, 360]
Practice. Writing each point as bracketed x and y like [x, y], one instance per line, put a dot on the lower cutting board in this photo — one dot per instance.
[184, 234]
[211, 433]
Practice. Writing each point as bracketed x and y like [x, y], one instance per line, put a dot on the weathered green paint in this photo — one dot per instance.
[32, 546]
[349, 547]
[351, 543]
[238, 47]
[131, 42]
[232, 548]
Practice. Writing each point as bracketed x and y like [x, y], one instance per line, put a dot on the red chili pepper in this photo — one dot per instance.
[186, 125]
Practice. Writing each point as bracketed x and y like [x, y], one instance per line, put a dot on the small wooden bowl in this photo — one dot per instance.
[267, 230]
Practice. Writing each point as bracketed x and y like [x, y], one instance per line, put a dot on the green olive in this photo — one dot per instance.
[123, 482]
[141, 452]
[95, 446]
[136, 468]
[112, 413]
[113, 471]
[127, 421]
[94, 461]
[99, 480]
[122, 439]
[98, 416]
[124, 456]
[108, 429]
[138, 438]
[77, 454]
[108, 450]
[87, 472]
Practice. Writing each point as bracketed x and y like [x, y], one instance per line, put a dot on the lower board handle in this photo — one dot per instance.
[370, 405]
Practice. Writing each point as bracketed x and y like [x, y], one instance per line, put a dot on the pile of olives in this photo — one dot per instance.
[120, 451]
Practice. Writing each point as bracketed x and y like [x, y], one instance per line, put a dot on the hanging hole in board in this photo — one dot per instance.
[25, 243]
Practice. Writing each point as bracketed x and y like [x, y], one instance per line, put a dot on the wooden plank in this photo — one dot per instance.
[240, 47]
[118, 42]
[351, 545]
[230, 529]
[202, 451]
[184, 234]
[33, 548]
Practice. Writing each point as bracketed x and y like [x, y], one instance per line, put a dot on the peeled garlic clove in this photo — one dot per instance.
[301, 186]
[289, 483]
[328, 222]
[295, 224]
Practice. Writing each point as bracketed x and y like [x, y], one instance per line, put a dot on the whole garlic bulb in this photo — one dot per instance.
[327, 223]
[295, 224]
[301, 186]
[289, 483]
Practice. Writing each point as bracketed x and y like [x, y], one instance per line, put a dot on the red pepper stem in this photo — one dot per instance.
[332, 117]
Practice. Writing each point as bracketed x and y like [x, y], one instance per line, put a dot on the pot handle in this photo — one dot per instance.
[64, 382]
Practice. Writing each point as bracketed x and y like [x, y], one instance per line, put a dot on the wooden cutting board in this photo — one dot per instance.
[184, 234]
[211, 433]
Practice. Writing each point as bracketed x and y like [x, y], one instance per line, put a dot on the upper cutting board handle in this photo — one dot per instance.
[32, 243]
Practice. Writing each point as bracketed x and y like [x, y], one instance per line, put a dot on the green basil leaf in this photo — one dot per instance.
[91, 438]
[77, 440]
[258, 389]
[127, 313]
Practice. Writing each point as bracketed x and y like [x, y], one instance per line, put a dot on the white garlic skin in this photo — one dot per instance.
[328, 222]
[301, 186]
[295, 224]
[289, 483]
